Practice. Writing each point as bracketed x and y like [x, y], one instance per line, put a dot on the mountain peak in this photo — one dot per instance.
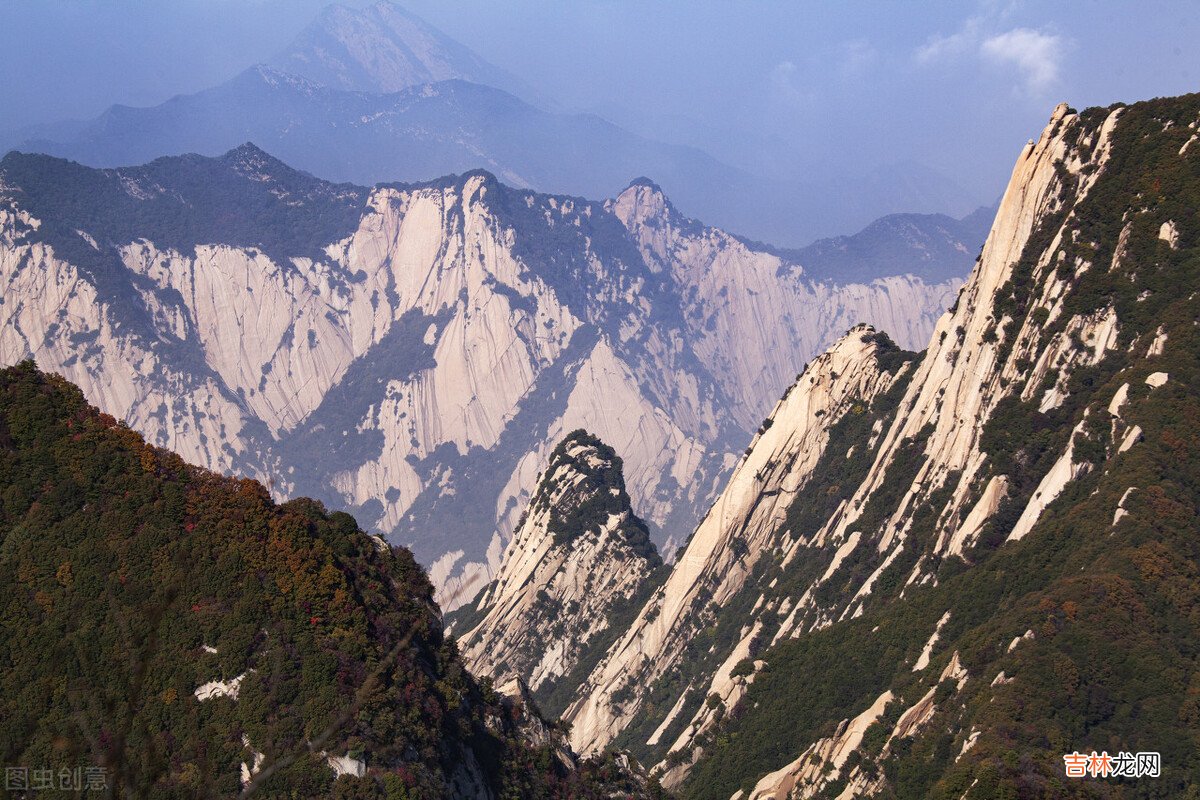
[579, 553]
[644, 182]
[595, 474]
[247, 148]
[248, 159]
[382, 48]
[642, 200]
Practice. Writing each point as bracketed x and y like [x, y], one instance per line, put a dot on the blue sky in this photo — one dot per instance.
[790, 88]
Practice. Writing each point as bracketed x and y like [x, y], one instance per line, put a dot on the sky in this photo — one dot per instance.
[790, 89]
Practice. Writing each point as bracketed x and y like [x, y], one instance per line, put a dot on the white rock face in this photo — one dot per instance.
[926, 455]
[735, 532]
[920, 712]
[989, 503]
[254, 766]
[823, 761]
[418, 369]
[554, 592]
[1121, 511]
[927, 651]
[755, 316]
[1156, 379]
[1169, 233]
[213, 689]
[345, 765]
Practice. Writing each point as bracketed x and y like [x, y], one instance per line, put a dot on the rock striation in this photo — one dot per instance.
[578, 557]
[743, 525]
[889, 493]
[412, 353]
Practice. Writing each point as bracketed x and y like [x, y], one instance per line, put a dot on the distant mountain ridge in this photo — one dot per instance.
[934, 247]
[385, 48]
[414, 134]
[377, 95]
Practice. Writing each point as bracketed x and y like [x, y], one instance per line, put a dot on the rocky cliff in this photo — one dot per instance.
[411, 352]
[578, 559]
[693, 625]
[765, 301]
[916, 548]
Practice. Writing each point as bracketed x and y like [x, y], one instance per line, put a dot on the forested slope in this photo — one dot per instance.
[184, 633]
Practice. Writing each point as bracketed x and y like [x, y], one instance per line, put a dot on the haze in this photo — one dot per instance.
[798, 90]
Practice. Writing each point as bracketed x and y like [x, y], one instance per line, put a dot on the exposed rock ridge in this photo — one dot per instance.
[1015, 450]
[926, 453]
[578, 553]
[735, 533]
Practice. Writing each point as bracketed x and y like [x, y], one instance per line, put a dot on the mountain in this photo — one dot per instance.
[586, 561]
[934, 247]
[413, 353]
[187, 637]
[376, 95]
[414, 134]
[381, 49]
[935, 574]
[755, 312]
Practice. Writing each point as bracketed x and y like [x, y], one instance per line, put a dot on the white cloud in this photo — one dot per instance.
[856, 57]
[784, 85]
[938, 47]
[1036, 55]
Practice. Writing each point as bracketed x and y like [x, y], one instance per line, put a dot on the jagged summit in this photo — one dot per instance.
[580, 558]
[594, 496]
[644, 203]
[643, 181]
[643, 198]
[248, 155]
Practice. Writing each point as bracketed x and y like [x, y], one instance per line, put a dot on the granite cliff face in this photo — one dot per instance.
[749, 521]
[411, 352]
[910, 534]
[578, 557]
[765, 301]
[931, 433]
